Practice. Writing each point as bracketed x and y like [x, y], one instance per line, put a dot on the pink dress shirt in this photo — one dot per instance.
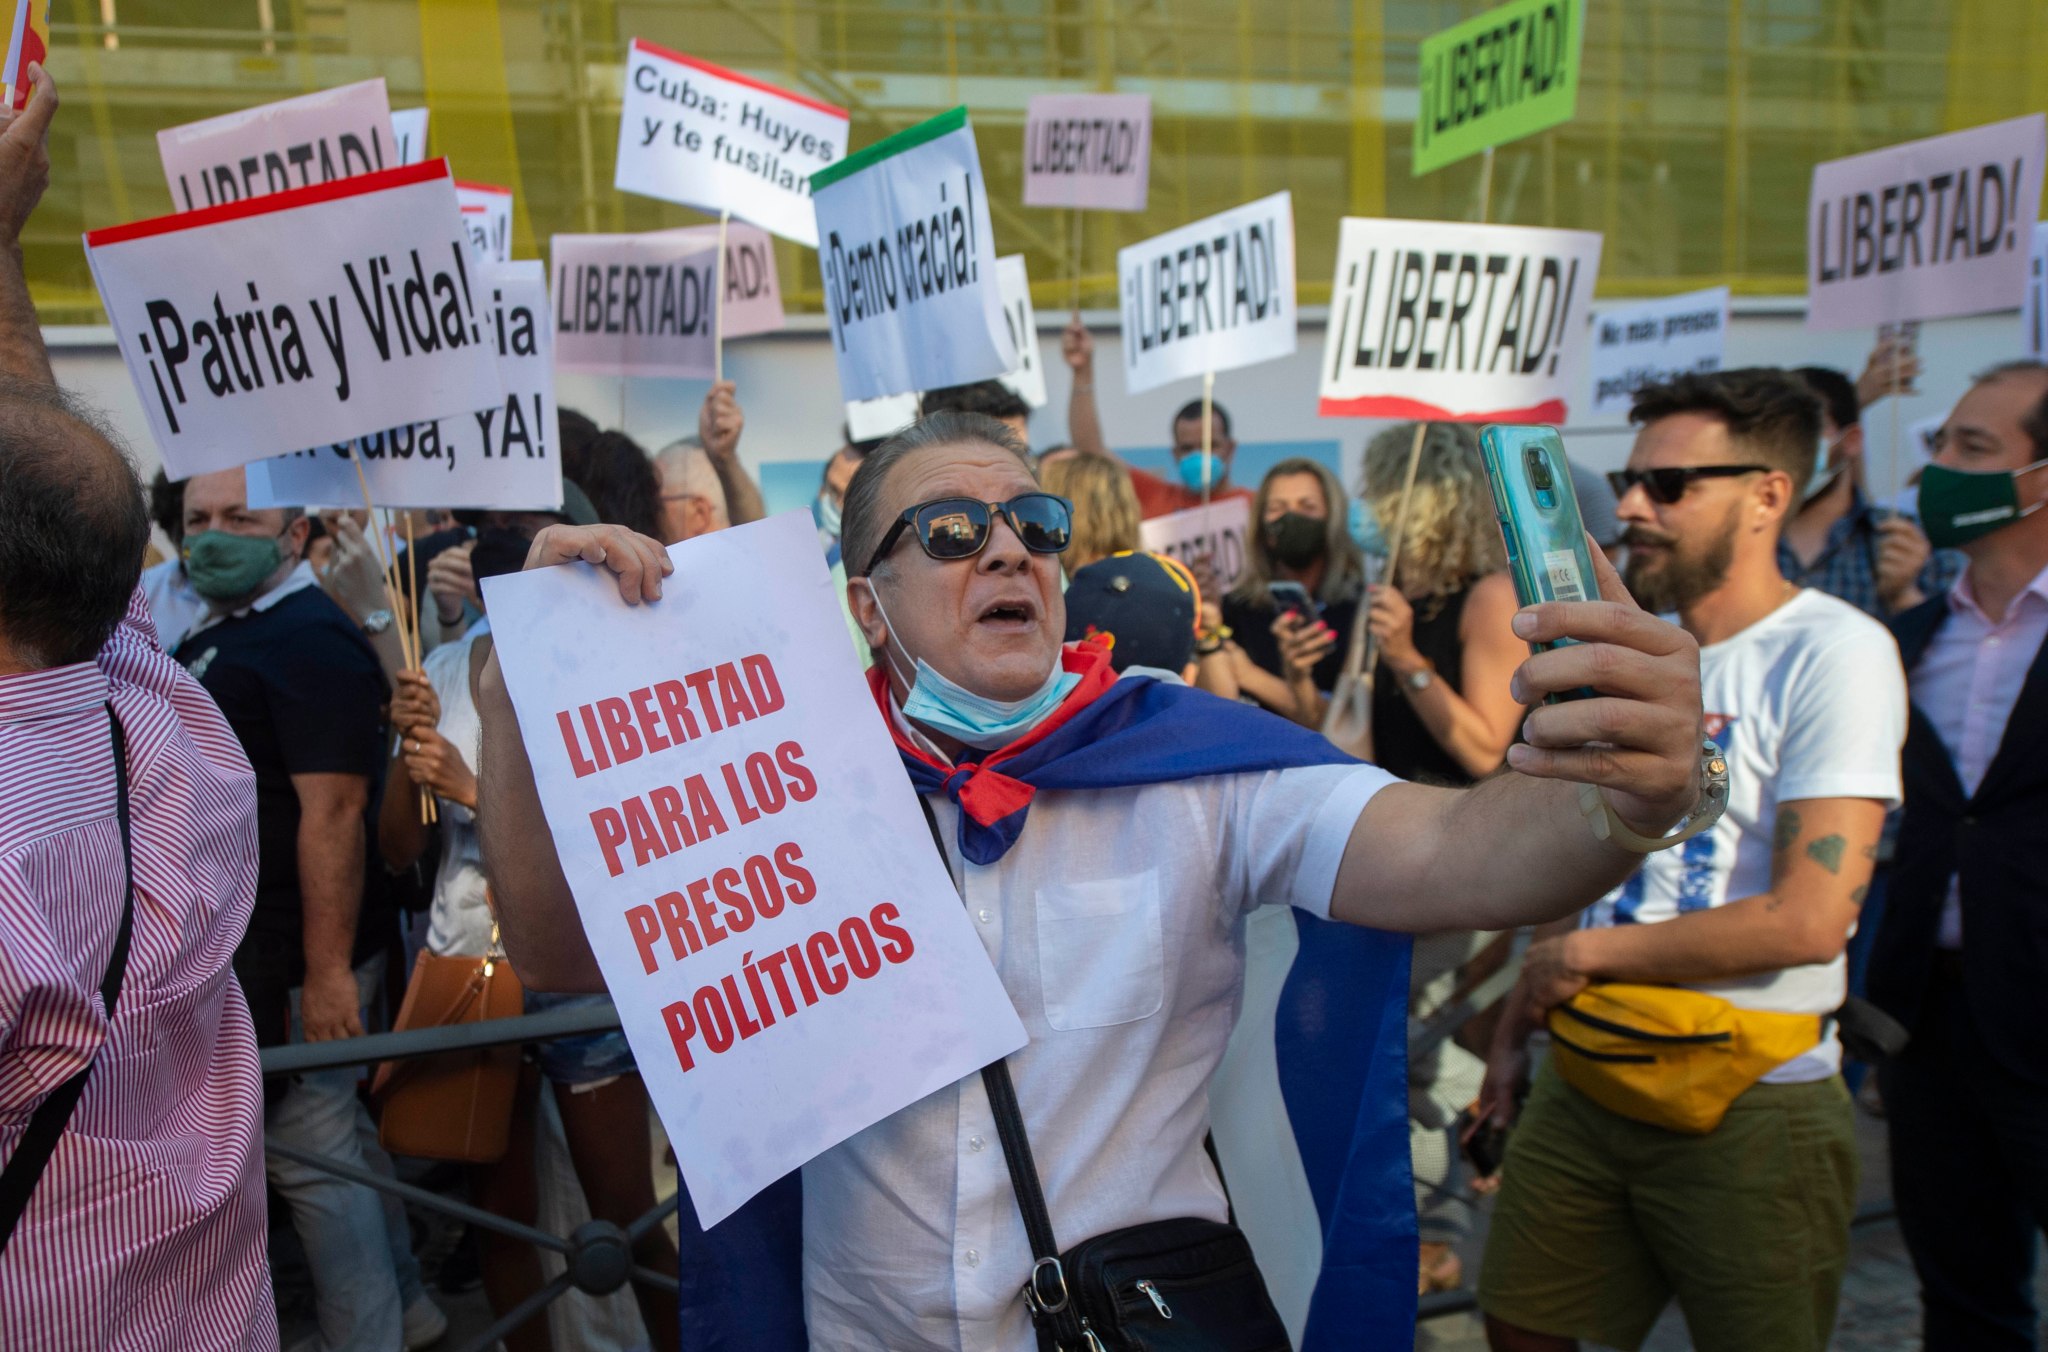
[146, 1232]
[1966, 684]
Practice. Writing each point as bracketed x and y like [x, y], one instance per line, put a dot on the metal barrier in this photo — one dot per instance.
[599, 1254]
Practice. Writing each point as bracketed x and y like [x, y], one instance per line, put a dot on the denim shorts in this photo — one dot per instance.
[586, 1058]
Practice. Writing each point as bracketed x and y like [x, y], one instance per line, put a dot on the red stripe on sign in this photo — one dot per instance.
[1550, 411]
[668, 54]
[361, 184]
[493, 188]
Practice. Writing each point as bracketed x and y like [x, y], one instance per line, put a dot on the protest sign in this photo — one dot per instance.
[305, 317]
[1211, 296]
[717, 140]
[1088, 150]
[1215, 533]
[1027, 380]
[1450, 322]
[789, 959]
[910, 263]
[874, 419]
[315, 138]
[502, 457]
[27, 40]
[1637, 343]
[409, 134]
[753, 292]
[486, 219]
[635, 305]
[1497, 77]
[2034, 300]
[1925, 230]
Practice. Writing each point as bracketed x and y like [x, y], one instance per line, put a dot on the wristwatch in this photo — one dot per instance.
[1713, 801]
[1418, 680]
[377, 621]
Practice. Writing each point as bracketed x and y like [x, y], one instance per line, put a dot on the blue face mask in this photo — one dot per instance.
[827, 512]
[944, 705]
[1365, 529]
[1199, 471]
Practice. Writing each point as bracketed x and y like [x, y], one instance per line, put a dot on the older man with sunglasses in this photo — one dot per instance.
[1110, 867]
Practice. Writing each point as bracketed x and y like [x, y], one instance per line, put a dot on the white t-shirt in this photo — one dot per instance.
[1808, 702]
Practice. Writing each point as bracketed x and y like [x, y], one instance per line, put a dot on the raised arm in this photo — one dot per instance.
[719, 424]
[24, 173]
[1084, 420]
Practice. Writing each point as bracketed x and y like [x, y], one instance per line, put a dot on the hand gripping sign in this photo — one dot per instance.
[1447, 322]
[910, 264]
[1924, 230]
[504, 457]
[299, 319]
[1088, 150]
[789, 959]
[294, 143]
[717, 140]
[1211, 296]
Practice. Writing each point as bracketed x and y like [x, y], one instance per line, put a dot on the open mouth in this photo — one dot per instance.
[1009, 615]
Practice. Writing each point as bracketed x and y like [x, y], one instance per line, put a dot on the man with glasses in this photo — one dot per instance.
[1604, 1218]
[1110, 837]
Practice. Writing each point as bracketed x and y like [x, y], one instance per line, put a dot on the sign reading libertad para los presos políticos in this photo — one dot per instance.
[504, 457]
[1211, 296]
[910, 265]
[718, 140]
[1497, 77]
[1088, 150]
[643, 305]
[1925, 230]
[1450, 322]
[789, 959]
[306, 317]
[294, 143]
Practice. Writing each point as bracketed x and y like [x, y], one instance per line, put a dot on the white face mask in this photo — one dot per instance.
[1824, 474]
[946, 706]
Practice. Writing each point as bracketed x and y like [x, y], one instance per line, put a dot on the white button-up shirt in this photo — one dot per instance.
[1117, 924]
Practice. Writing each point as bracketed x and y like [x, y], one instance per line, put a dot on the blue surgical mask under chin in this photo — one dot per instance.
[945, 706]
[1199, 470]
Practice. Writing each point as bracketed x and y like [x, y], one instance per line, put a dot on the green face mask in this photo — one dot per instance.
[225, 567]
[1958, 506]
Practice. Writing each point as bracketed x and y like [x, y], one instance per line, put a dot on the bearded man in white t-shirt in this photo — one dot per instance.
[1603, 1218]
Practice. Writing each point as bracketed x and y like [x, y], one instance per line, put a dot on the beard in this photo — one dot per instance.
[1679, 573]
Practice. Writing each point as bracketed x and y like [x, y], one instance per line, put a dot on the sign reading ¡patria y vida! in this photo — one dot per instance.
[789, 959]
[1499, 76]
[1211, 296]
[1088, 150]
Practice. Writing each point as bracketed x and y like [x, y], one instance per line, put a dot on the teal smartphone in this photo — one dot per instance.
[1539, 520]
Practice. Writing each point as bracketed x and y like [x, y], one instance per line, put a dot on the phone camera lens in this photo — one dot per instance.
[1539, 471]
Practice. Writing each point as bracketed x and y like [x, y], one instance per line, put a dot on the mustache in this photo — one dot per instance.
[1644, 535]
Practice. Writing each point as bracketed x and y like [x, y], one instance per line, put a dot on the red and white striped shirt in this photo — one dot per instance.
[147, 1229]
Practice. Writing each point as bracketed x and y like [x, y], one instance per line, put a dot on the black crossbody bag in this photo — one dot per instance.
[1183, 1285]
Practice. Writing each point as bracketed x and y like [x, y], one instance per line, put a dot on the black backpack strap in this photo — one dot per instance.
[25, 1166]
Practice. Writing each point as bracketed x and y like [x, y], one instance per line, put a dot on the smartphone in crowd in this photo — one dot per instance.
[1907, 337]
[1293, 596]
[1539, 519]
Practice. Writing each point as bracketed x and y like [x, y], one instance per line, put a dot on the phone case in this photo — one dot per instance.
[1538, 513]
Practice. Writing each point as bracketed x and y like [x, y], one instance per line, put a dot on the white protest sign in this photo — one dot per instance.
[1088, 150]
[790, 961]
[487, 219]
[504, 457]
[1924, 230]
[409, 134]
[753, 292]
[297, 319]
[1211, 296]
[1450, 322]
[1216, 533]
[910, 263]
[717, 140]
[1643, 342]
[2034, 300]
[634, 305]
[1027, 380]
[875, 419]
[315, 138]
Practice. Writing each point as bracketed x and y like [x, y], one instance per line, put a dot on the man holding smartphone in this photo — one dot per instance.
[1604, 1218]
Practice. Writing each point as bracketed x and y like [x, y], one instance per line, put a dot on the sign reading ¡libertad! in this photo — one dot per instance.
[1497, 77]
[293, 143]
[1088, 150]
[1211, 296]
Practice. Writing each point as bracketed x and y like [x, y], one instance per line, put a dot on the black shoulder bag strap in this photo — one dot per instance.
[1046, 1294]
[25, 1166]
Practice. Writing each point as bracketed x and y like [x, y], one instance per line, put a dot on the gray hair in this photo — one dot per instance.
[861, 522]
[686, 468]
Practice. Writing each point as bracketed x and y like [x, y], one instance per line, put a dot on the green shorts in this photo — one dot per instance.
[1602, 1220]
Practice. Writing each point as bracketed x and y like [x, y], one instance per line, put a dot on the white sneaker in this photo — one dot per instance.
[425, 1324]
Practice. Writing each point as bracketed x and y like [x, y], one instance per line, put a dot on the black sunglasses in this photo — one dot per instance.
[958, 528]
[1666, 486]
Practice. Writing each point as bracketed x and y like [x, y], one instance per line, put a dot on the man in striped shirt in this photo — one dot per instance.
[144, 1230]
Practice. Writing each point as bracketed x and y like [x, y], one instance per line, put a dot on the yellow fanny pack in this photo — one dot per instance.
[1668, 1056]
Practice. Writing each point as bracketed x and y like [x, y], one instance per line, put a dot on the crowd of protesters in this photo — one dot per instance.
[211, 843]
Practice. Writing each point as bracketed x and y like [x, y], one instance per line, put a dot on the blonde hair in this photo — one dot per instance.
[1449, 539]
[1106, 513]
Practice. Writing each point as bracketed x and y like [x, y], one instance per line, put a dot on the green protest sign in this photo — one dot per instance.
[1497, 77]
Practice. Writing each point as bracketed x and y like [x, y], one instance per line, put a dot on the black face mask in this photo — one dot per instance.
[499, 550]
[1296, 540]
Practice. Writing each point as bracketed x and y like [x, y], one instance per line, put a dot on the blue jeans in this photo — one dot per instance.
[357, 1244]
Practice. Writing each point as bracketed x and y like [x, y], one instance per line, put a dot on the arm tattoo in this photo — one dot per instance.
[1786, 831]
[1827, 852]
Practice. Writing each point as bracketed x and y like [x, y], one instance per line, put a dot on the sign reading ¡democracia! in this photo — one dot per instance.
[909, 263]
[1211, 296]
[1497, 77]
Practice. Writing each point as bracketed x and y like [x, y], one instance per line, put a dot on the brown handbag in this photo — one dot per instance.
[455, 1105]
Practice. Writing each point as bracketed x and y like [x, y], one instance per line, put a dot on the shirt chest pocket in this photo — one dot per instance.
[1101, 951]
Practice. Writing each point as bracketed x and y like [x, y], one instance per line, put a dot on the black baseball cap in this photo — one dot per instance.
[1144, 605]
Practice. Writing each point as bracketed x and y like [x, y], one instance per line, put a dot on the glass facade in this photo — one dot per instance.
[1699, 121]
